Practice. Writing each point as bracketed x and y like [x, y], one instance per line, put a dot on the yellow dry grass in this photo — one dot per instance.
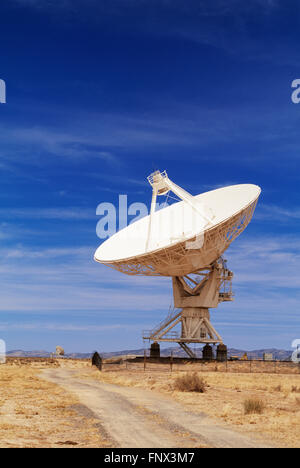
[35, 413]
[224, 399]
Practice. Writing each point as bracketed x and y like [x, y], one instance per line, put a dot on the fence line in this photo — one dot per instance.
[247, 367]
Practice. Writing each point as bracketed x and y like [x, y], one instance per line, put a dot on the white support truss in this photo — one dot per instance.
[161, 185]
[194, 295]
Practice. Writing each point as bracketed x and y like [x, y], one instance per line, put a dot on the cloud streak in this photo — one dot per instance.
[277, 213]
[68, 214]
[93, 136]
[67, 283]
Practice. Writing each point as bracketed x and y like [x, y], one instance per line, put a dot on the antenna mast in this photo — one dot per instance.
[162, 185]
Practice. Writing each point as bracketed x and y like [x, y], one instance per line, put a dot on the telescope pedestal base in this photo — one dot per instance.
[194, 296]
[195, 328]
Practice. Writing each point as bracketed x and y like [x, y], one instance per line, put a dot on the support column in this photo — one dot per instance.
[155, 350]
[195, 325]
[222, 353]
[207, 353]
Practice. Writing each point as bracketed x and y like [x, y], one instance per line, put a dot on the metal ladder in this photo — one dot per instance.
[188, 350]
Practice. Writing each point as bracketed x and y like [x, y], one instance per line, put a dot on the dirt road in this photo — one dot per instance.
[133, 417]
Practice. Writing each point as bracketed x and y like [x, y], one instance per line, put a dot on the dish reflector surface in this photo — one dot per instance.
[170, 252]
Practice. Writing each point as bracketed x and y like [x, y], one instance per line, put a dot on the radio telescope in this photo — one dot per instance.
[59, 351]
[185, 241]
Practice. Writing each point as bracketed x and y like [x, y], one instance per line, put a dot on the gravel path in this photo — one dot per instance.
[134, 417]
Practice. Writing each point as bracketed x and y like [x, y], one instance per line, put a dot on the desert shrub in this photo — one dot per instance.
[190, 383]
[295, 389]
[277, 389]
[254, 406]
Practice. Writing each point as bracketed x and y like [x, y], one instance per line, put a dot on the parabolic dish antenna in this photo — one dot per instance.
[185, 241]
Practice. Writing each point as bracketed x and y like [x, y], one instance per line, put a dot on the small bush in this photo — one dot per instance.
[295, 389]
[254, 406]
[190, 383]
[277, 389]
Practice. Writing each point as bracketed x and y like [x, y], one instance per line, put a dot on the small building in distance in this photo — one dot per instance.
[268, 357]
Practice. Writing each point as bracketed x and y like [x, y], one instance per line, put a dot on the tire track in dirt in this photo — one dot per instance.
[134, 417]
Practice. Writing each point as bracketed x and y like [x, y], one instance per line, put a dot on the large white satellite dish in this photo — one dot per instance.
[185, 241]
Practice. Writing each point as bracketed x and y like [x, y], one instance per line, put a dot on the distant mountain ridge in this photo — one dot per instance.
[278, 354]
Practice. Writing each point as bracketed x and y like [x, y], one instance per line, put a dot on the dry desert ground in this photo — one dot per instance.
[35, 413]
[67, 403]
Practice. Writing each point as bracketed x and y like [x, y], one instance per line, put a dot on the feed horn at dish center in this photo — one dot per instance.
[185, 241]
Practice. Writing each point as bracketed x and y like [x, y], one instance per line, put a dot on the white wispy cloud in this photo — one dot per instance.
[72, 213]
[23, 253]
[277, 213]
[266, 263]
[65, 281]
[102, 135]
[69, 145]
[70, 279]
[42, 326]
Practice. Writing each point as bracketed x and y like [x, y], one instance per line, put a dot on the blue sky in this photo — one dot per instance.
[99, 93]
